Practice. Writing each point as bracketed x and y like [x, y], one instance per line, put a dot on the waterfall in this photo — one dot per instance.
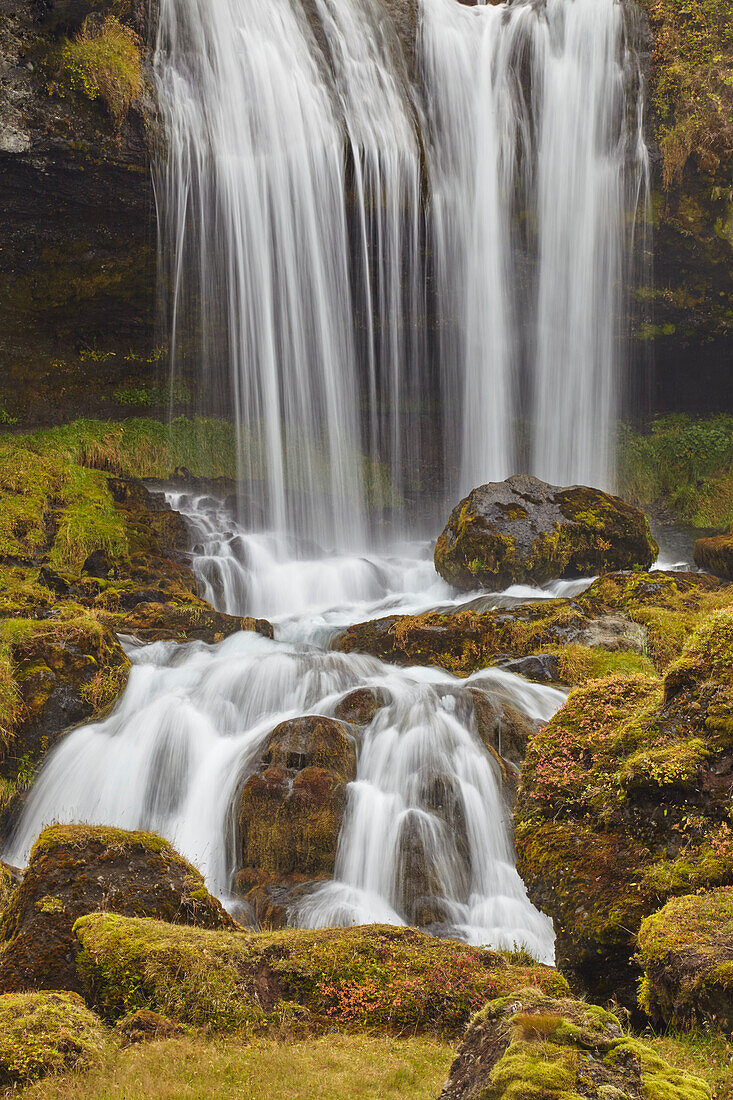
[372, 256]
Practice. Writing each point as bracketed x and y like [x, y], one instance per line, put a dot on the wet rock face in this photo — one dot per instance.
[532, 1045]
[686, 951]
[523, 530]
[291, 813]
[716, 555]
[78, 869]
[77, 225]
[360, 705]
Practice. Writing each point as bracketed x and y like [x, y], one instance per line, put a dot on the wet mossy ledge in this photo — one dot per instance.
[87, 552]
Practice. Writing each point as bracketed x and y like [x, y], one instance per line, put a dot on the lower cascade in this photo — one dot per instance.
[426, 836]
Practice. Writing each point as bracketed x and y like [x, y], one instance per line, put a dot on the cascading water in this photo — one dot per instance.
[315, 207]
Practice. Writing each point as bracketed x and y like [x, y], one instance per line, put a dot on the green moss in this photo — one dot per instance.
[111, 839]
[44, 1033]
[374, 977]
[101, 61]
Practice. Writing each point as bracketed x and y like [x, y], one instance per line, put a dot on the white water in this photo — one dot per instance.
[537, 166]
[174, 754]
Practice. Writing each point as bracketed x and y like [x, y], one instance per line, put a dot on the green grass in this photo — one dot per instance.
[683, 464]
[100, 62]
[705, 1054]
[331, 1068]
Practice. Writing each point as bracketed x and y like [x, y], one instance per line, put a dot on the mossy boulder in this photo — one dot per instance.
[76, 869]
[533, 1047]
[44, 1033]
[143, 1026]
[716, 555]
[360, 705]
[372, 976]
[686, 951]
[291, 812]
[523, 530]
[625, 802]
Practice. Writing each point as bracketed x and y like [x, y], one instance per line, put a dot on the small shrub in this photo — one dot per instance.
[102, 61]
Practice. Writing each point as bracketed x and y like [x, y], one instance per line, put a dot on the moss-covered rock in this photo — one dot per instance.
[716, 554]
[360, 705]
[533, 1047]
[76, 869]
[144, 1025]
[291, 812]
[625, 801]
[611, 611]
[44, 1033]
[686, 951]
[393, 979]
[523, 530]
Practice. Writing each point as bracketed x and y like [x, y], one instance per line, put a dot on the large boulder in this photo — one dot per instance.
[44, 1033]
[373, 976]
[686, 950]
[291, 813]
[715, 554]
[529, 1046]
[77, 869]
[524, 531]
[624, 803]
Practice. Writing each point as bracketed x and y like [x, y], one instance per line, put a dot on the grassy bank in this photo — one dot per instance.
[682, 465]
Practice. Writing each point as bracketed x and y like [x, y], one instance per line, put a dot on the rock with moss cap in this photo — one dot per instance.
[76, 869]
[372, 976]
[716, 554]
[531, 1045]
[625, 802]
[291, 812]
[523, 530]
[44, 1033]
[686, 950]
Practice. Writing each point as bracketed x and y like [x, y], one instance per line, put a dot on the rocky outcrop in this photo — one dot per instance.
[291, 812]
[77, 869]
[611, 626]
[624, 803]
[715, 554]
[532, 1045]
[686, 952]
[44, 1033]
[524, 531]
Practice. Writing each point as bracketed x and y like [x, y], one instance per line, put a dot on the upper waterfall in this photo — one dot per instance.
[400, 277]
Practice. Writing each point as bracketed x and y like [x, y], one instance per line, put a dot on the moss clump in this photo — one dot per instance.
[625, 802]
[692, 76]
[531, 1045]
[368, 977]
[103, 61]
[686, 951]
[716, 554]
[76, 869]
[44, 1033]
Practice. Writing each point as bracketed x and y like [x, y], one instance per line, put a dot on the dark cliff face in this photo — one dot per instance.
[77, 226]
[685, 318]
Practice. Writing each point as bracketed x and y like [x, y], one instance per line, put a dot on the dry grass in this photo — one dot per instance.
[330, 1068]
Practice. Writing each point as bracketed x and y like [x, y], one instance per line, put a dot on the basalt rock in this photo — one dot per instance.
[686, 951]
[532, 1045]
[716, 555]
[523, 530]
[624, 803]
[291, 812]
[78, 869]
